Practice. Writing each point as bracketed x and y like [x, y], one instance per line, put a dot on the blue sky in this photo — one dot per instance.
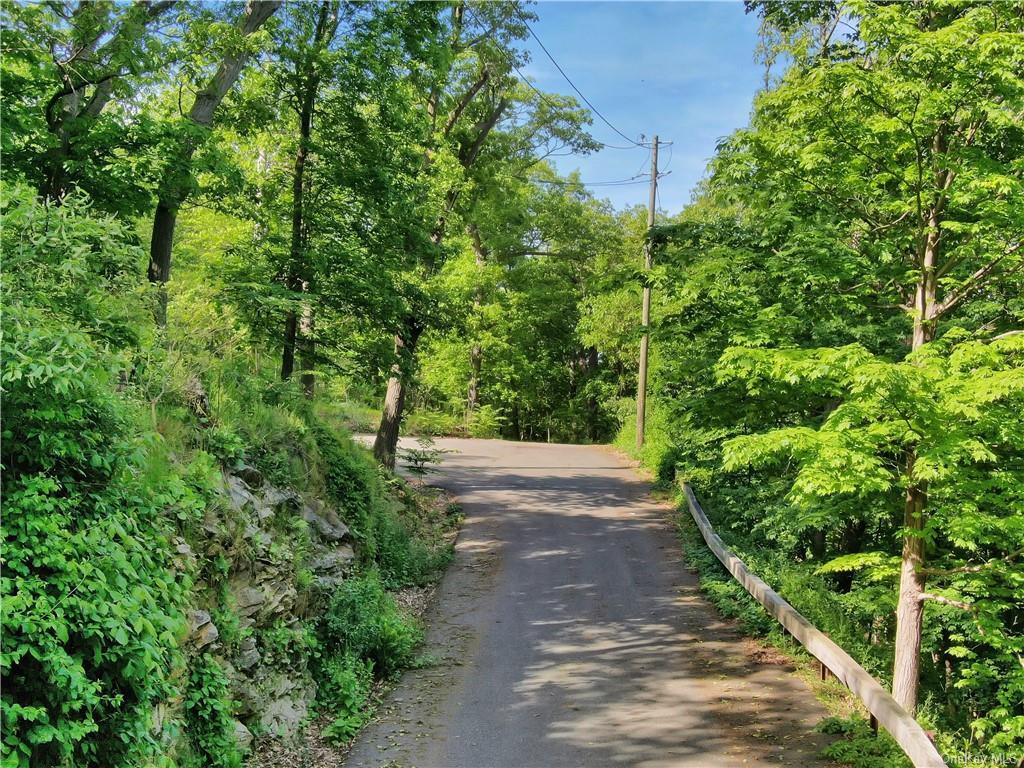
[683, 70]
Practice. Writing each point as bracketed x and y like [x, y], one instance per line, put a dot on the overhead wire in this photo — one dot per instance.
[612, 183]
[586, 101]
[639, 178]
[546, 100]
[636, 178]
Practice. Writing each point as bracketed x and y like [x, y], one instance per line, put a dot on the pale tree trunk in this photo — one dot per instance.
[910, 605]
[386, 442]
[476, 353]
[906, 671]
[173, 193]
[307, 347]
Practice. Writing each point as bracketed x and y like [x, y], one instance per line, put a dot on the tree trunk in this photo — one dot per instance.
[173, 194]
[295, 267]
[593, 407]
[476, 353]
[910, 606]
[818, 543]
[160, 246]
[307, 349]
[291, 327]
[472, 394]
[298, 277]
[386, 442]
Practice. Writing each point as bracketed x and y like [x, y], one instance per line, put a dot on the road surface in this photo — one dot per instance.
[568, 632]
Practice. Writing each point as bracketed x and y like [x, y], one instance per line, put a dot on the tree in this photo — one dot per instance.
[910, 133]
[66, 63]
[473, 100]
[177, 182]
[316, 27]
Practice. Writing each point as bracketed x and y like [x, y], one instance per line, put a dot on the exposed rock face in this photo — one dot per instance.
[249, 475]
[256, 531]
[325, 522]
[247, 657]
[243, 736]
[334, 562]
[201, 629]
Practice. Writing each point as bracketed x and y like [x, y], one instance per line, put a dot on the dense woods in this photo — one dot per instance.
[233, 233]
[838, 359]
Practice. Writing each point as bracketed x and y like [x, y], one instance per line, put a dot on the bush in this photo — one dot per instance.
[859, 746]
[364, 622]
[344, 689]
[486, 421]
[208, 721]
[431, 424]
[92, 608]
[403, 559]
[353, 483]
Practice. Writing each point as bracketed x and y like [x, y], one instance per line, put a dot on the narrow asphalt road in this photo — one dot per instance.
[568, 632]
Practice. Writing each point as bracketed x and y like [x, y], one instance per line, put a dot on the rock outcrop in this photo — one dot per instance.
[278, 558]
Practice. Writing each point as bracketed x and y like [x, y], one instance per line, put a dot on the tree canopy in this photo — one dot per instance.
[354, 222]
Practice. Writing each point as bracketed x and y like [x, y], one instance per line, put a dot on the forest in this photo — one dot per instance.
[235, 234]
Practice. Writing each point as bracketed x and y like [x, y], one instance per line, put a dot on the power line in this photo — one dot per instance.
[573, 85]
[670, 152]
[640, 178]
[580, 183]
[546, 100]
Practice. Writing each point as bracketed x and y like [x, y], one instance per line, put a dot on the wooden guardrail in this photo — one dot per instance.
[882, 706]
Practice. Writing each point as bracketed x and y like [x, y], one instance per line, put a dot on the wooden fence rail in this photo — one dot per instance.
[882, 706]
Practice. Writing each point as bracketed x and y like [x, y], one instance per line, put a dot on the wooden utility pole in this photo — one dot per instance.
[645, 322]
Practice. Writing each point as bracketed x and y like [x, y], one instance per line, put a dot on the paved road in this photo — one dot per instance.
[568, 633]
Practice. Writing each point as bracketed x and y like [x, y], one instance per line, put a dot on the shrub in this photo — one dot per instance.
[364, 621]
[486, 421]
[352, 482]
[344, 689]
[91, 604]
[208, 721]
[403, 559]
[859, 746]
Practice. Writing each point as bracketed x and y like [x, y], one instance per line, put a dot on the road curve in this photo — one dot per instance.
[567, 632]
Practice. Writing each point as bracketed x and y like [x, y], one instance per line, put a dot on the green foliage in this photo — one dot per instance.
[419, 460]
[344, 689]
[798, 386]
[486, 422]
[353, 482]
[835, 325]
[209, 725]
[363, 621]
[405, 559]
[92, 604]
[859, 746]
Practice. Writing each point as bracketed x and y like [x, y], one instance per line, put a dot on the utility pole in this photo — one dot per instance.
[645, 321]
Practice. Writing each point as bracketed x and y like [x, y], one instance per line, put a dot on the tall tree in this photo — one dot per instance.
[65, 63]
[314, 30]
[177, 183]
[920, 157]
[474, 106]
